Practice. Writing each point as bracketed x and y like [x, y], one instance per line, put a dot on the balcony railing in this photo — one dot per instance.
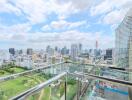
[76, 71]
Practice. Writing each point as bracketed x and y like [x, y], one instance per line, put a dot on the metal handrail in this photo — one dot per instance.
[39, 87]
[13, 76]
[125, 70]
[114, 81]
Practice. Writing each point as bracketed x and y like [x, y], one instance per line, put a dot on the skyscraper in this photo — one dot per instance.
[64, 51]
[29, 51]
[123, 33]
[56, 49]
[12, 51]
[74, 51]
[108, 54]
[124, 45]
[96, 44]
[49, 51]
[80, 48]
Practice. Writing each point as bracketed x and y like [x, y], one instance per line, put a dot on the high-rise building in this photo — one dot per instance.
[74, 51]
[56, 49]
[96, 44]
[124, 45]
[109, 53]
[12, 51]
[80, 48]
[47, 48]
[123, 33]
[50, 51]
[97, 52]
[64, 51]
[29, 51]
[20, 51]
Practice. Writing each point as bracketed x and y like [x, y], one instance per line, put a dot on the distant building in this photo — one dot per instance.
[29, 51]
[80, 48]
[74, 51]
[84, 55]
[47, 48]
[64, 51]
[108, 55]
[12, 51]
[49, 51]
[96, 44]
[20, 51]
[90, 51]
[97, 52]
[56, 49]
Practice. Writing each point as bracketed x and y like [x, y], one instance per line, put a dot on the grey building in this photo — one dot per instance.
[12, 51]
[109, 53]
[74, 51]
[29, 51]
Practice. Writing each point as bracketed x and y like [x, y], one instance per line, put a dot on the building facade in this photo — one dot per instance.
[12, 51]
[123, 33]
[124, 45]
[109, 53]
[74, 51]
[29, 51]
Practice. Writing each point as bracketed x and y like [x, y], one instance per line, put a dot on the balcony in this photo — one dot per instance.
[67, 81]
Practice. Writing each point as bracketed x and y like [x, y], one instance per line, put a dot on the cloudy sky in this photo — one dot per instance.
[37, 23]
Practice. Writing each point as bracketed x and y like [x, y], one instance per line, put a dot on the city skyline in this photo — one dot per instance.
[60, 22]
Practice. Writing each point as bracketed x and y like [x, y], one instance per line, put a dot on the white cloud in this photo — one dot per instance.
[66, 7]
[46, 28]
[69, 37]
[77, 24]
[36, 11]
[62, 24]
[41, 40]
[114, 17]
[112, 11]
[107, 6]
[17, 28]
[101, 8]
[5, 36]
[18, 37]
[59, 24]
[12, 37]
[5, 6]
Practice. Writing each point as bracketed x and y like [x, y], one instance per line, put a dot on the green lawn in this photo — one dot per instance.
[16, 86]
[13, 87]
[18, 69]
[4, 72]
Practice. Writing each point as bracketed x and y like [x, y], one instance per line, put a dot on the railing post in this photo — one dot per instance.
[65, 90]
[78, 91]
[66, 87]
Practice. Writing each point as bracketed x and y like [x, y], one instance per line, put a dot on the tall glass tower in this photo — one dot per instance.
[124, 45]
[123, 34]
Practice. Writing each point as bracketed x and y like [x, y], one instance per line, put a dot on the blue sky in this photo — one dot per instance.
[36, 24]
